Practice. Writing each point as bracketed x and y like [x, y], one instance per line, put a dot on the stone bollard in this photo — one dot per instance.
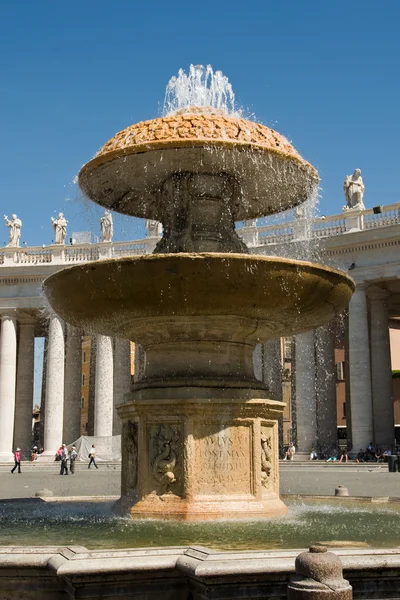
[319, 576]
[341, 491]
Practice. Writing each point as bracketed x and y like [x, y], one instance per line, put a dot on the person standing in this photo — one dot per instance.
[72, 458]
[291, 451]
[34, 454]
[92, 456]
[17, 459]
[64, 460]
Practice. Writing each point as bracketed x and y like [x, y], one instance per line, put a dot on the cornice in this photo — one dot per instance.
[361, 247]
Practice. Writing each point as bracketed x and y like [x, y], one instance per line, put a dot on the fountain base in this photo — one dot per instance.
[199, 459]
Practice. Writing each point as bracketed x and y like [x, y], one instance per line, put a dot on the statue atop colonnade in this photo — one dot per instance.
[14, 225]
[106, 226]
[60, 228]
[354, 191]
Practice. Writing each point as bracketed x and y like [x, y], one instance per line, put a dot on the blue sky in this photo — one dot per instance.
[325, 74]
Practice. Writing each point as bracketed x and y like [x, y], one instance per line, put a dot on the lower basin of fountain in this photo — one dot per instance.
[339, 523]
[199, 433]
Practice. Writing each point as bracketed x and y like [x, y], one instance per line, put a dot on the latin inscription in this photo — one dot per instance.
[224, 459]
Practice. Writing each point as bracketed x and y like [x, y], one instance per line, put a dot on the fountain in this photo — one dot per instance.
[200, 436]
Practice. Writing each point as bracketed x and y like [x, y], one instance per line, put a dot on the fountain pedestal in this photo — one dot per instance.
[197, 459]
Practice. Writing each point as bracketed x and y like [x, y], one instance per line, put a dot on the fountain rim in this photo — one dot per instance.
[217, 256]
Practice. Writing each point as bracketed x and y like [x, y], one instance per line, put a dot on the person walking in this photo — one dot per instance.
[72, 458]
[92, 456]
[64, 460]
[17, 460]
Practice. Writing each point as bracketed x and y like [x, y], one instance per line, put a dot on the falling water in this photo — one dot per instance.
[200, 87]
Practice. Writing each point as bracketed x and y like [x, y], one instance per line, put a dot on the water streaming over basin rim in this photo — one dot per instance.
[94, 526]
[283, 296]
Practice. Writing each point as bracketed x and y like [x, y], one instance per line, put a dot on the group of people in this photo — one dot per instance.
[374, 454]
[63, 455]
[371, 453]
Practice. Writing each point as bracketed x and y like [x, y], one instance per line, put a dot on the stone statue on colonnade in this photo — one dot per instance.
[14, 225]
[354, 191]
[106, 226]
[154, 228]
[60, 228]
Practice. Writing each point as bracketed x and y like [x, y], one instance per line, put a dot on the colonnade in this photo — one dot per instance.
[61, 407]
[370, 411]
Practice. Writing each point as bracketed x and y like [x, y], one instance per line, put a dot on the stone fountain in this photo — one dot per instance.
[200, 434]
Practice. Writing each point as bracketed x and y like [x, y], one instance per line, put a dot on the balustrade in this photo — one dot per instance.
[264, 235]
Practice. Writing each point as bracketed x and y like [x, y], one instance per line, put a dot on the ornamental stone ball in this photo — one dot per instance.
[354, 191]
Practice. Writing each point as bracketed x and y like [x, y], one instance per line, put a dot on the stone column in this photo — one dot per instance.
[381, 371]
[92, 385]
[24, 391]
[103, 406]
[306, 406]
[272, 368]
[122, 378]
[360, 372]
[54, 404]
[326, 388]
[140, 360]
[272, 377]
[73, 376]
[8, 368]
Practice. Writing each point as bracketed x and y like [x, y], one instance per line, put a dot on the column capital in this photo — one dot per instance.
[26, 320]
[377, 293]
[8, 313]
[361, 286]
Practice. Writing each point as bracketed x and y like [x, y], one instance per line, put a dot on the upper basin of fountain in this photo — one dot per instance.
[201, 133]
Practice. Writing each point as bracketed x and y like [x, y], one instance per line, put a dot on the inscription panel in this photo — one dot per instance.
[223, 459]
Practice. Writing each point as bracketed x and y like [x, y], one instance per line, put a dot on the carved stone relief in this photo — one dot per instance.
[165, 456]
[268, 475]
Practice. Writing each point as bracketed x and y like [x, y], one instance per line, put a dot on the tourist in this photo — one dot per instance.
[92, 456]
[64, 460]
[313, 455]
[386, 454]
[17, 460]
[291, 451]
[72, 458]
[333, 457]
[343, 455]
[371, 451]
[34, 454]
[361, 456]
[59, 454]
